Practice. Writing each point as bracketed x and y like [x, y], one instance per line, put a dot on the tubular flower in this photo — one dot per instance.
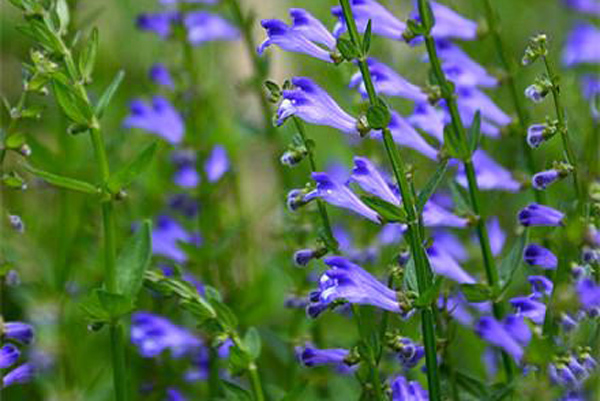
[444, 264]
[18, 331]
[409, 352]
[537, 255]
[536, 135]
[451, 25]
[530, 308]
[540, 285]
[9, 355]
[490, 175]
[591, 90]
[589, 295]
[405, 135]
[154, 334]
[346, 281]
[19, 375]
[436, 216]
[161, 75]
[307, 35]
[582, 45]
[542, 179]
[366, 175]
[159, 117]
[535, 215]
[203, 26]
[504, 336]
[429, 119]
[462, 69]
[404, 390]
[470, 100]
[217, 164]
[339, 195]
[313, 104]
[384, 23]
[311, 356]
[387, 82]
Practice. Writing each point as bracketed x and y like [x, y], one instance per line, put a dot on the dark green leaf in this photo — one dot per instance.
[366, 42]
[432, 184]
[388, 212]
[378, 115]
[87, 58]
[224, 314]
[470, 384]
[460, 198]
[115, 305]
[347, 49]
[511, 262]
[415, 27]
[63, 182]
[127, 174]
[76, 108]
[133, 261]
[274, 91]
[476, 292]
[475, 132]
[39, 32]
[252, 343]
[108, 94]
[452, 143]
[431, 295]
[233, 392]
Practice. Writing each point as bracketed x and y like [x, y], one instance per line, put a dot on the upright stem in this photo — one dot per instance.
[255, 381]
[562, 126]
[522, 114]
[422, 267]
[459, 130]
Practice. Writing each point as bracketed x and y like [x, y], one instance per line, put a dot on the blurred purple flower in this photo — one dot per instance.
[507, 338]
[410, 353]
[154, 334]
[542, 179]
[591, 90]
[582, 45]
[536, 135]
[461, 69]
[450, 24]
[313, 104]
[490, 175]
[174, 394]
[536, 255]
[443, 264]
[185, 204]
[9, 355]
[451, 244]
[535, 215]
[159, 117]
[404, 390]
[383, 22]
[585, 6]
[540, 285]
[217, 164]
[18, 331]
[161, 75]
[160, 23]
[497, 236]
[470, 100]
[529, 307]
[306, 35]
[589, 294]
[19, 375]
[429, 119]
[310, 356]
[166, 236]
[203, 26]
[436, 216]
[366, 175]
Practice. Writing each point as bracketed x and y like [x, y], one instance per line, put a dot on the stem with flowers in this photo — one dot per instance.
[458, 130]
[423, 270]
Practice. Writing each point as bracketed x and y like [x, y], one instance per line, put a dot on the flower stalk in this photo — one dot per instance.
[414, 233]
[447, 93]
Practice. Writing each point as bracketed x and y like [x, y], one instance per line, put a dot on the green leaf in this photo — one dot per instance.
[431, 295]
[472, 385]
[347, 49]
[87, 58]
[127, 174]
[476, 292]
[415, 27]
[63, 182]
[64, 17]
[225, 315]
[13, 180]
[234, 392]
[76, 108]
[366, 42]
[378, 115]
[274, 91]
[475, 132]
[452, 144]
[511, 262]
[410, 276]
[15, 141]
[115, 305]
[252, 343]
[460, 198]
[432, 185]
[39, 32]
[388, 212]
[108, 94]
[133, 261]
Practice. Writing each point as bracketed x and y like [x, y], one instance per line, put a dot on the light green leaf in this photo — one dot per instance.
[511, 262]
[252, 343]
[133, 262]
[127, 174]
[475, 132]
[108, 94]
[64, 17]
[432, 185]
[76, 108]
[87, 58]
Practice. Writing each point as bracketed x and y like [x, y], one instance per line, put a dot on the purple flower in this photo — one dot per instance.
[589, 294]
[19, 375]
[187, 177]
[160, 23]
[404, 390]
[185, 204]
[470, 100]
[312, 104]
[366, 175]
[518, 329]
[166, 236]
[562, 375]
[174, 394]
[387, 82]
[495, 333]
[536, 255]
[451, 244]
[303, 256]
[306, 35]
[154, 334]
[405, 135]
[536, 135]
[542, 179]
[443, 264]
[203, 26]
[591, 90]
[497, 236]
[490, 175]
[9, 355]
[391, 233]
[450, 24]
[585, 6]
[383, 22]
[409, 352]
[349, 282]
[161, 75]
[530, 308]
[18, 331]
[429, 119]
[582, 45]
[217, 164]
[535, 215]
[315, 357]
[536, 93]
[461, 69]
[160, 118]
[339, 195]
[540, 285]
[436, 216]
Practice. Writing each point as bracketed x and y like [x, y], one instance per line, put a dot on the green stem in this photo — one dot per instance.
[522, 114]
[459, 130]
[255, 381]
[562, 126]
[422, 267]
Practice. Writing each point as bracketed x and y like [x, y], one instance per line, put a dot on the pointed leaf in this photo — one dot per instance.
[76, 108]
[347, 49]
[476, 292]
[432, 185]
[87, 58]
[108, 94]
[133, 261]
[389, 212]
[366, 42]
[475, 132]
[63, 182]
[127, 174]
[431, 295]
[252, 343]
[511, 262]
